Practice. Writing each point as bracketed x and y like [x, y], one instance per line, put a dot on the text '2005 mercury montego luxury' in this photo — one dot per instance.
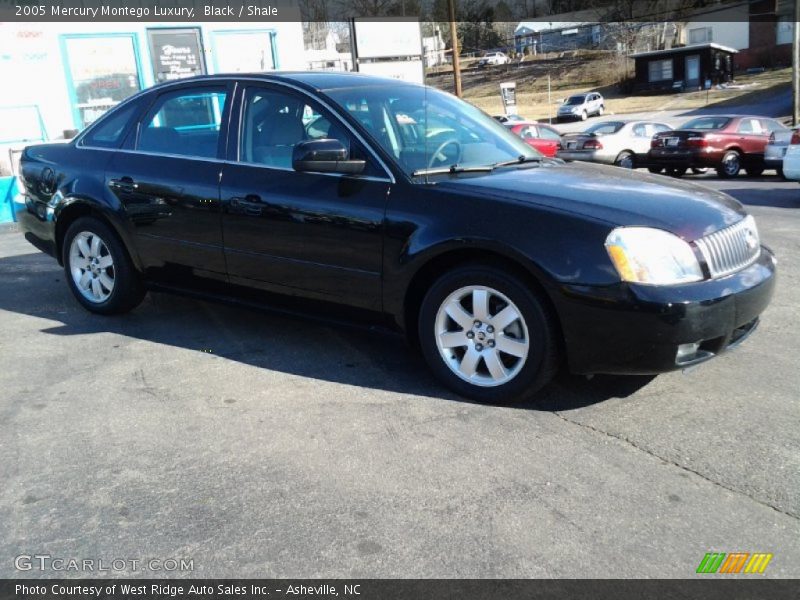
[403, 205]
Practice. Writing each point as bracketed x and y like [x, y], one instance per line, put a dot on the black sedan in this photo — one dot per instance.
[402, 205]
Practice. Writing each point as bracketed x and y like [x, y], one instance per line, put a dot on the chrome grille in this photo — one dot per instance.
[730, 249]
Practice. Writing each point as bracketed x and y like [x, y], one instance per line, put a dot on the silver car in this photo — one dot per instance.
[775, 149]
[621, 143]
[581, 106]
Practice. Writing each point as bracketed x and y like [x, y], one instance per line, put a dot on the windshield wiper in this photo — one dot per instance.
[521, 159]
[452, 169]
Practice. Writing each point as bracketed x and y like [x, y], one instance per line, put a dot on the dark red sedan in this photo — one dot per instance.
[727, 143]
[537, 135]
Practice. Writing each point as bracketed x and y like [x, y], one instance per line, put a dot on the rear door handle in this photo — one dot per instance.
[124, 184]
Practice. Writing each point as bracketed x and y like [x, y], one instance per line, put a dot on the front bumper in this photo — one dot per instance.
[636, 329]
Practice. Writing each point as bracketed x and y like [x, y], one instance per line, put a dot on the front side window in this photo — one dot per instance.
[185, 123]
[275, 121]
[424, 128]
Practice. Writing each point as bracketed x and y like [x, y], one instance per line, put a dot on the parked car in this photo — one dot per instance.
[726, 143]
[581, 106]
[510, 119]
[499, 264]
[621, 143]
[544, 138]
[776, 149]
[494, 58]
[791, 160]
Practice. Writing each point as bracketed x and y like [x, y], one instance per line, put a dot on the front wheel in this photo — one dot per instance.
[600, 111]
[98, 270]
[584, 116]
[487, 336]
[731, 164]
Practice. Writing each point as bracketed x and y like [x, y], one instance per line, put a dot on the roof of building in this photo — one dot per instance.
[690, 48]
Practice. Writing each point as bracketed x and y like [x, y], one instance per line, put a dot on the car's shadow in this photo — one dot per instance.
[33, 284]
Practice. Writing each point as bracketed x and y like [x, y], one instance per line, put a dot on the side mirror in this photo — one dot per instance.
[325, 156]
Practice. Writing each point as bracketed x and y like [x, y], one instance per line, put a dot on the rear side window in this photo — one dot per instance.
[108, 133]
[184, 123]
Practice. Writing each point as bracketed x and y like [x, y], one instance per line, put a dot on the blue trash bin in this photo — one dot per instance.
[8, 189]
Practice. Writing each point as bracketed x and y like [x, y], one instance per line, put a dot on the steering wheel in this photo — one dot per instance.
[439, 150]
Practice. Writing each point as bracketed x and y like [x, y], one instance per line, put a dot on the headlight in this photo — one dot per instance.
[652, 256]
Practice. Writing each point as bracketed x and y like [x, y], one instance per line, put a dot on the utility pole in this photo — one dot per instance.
[796, 65]
[454, 43]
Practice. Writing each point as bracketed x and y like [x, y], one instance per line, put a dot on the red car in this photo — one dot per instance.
[537, 135]
[726, 143]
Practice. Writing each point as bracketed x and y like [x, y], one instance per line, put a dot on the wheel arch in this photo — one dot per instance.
[450, 259]
[73, 209]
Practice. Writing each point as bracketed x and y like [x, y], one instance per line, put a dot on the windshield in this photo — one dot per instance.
[574, 100]
[423, 128]
[707, 123]
[605, 128]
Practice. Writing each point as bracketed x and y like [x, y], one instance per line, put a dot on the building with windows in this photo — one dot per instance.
[694, 67]
[60, 77]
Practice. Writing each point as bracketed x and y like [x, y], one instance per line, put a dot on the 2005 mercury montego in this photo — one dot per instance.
[408, 206]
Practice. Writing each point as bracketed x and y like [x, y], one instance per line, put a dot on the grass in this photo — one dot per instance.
[592, 71]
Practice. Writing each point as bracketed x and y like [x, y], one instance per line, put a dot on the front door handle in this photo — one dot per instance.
[124, 184]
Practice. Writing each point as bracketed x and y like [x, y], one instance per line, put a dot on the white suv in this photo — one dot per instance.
[493, 58]
[581, 106]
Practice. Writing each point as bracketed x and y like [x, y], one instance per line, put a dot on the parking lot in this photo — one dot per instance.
[263, 446]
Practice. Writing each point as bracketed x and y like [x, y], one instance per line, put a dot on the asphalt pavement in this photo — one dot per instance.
[264, 446]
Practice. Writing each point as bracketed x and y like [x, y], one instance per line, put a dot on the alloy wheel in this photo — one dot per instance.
[91, 266]
[482, 336]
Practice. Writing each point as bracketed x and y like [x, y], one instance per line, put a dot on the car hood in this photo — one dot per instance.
[611, 194]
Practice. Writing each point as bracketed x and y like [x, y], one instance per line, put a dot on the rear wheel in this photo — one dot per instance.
[487, 336]
[98, 270]
[676, 171]
[625, 159]
[731, 164]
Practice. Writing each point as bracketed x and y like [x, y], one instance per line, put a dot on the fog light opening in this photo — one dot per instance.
[686, 353]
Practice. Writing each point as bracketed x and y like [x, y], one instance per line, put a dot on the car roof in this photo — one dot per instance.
[314, 80]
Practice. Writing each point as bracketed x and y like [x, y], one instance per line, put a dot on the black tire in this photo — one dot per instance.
[127, 290]
[779, 172]
[731, 164]
[535, 370]
[584, 116]
[676, 171]
[754, 171]
[626, 160]
[655, 170]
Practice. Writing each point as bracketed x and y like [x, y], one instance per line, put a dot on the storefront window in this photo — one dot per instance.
[243, 52]
[103, 72]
